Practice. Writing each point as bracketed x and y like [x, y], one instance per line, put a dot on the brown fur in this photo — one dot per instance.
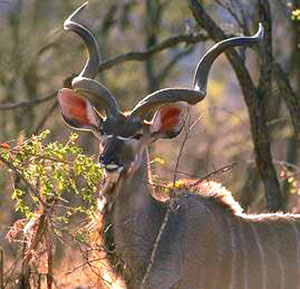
[112, 268]
[102, 236]
[207, 189]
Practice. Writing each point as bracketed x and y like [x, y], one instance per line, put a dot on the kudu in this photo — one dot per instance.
[207, 242]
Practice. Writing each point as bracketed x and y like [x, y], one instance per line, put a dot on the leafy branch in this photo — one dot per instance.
[54, 183]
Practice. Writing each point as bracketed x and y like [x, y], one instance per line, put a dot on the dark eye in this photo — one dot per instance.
[100, 130]
[137, 136]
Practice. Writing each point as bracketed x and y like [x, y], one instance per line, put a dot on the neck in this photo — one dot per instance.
[136, 218]
[135, 190]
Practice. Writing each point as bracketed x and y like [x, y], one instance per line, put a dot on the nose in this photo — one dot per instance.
[110, 162]
[107, 160]
[110, 155]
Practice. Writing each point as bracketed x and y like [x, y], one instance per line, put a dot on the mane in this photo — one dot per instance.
[218, 193]
[209, 190]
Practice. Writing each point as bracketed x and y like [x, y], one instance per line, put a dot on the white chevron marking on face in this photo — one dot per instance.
[111, 167]
[122, 138]
[117, 137]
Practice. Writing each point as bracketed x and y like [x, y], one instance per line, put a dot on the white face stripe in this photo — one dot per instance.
[122, 138]
[118, 137]
[112, 166]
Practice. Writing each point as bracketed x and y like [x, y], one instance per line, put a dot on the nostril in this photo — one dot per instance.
[108, 161]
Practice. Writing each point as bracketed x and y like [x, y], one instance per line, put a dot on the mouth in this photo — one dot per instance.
[111, 168]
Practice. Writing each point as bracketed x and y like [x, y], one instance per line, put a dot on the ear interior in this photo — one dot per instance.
[169, 120]
[77, 111]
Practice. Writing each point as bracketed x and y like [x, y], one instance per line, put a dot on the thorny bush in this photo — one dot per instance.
[53, 185]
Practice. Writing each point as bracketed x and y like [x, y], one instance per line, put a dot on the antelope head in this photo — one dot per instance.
[124, 136]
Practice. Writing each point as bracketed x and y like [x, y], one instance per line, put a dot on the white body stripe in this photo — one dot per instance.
[234, 257]
[297, 238]
[280, 262]
[261, 254]
[298, 247]
[245, 258]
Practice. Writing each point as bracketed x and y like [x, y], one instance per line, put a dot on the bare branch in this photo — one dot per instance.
[245, 17]
[218, 171]
[130, 56]
[265, 80]
[254, 101]
[87, 262]
[24, 104]
[230, 10]
[156, 243]
[187, 130]
[42, 122]
[171, 203]
[1, 269]
[141, 56]
[289, 96]
[165, 71]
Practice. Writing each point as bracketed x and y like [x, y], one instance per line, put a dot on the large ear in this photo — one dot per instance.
[169, 120]
[77, 111]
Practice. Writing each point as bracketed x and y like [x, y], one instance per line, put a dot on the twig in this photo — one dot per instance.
[156, 243]
[24, 104]
[170, 206]
[140, 56]
[289, 96]
[230, 10]
[220, 170]
[239, 6]
[154, 184]
[186, 137]
[30, 186]
[1, 269]
[187, 131]
[9, 273]
[45, 118]
[39, 281]
[49, 275]
[165, 71]
[80, 266]
[88, 262]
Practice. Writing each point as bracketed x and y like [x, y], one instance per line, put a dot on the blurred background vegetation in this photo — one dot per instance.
[150, 44]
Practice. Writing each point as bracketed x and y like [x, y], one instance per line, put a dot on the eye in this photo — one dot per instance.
[98, 132]
[137, 136]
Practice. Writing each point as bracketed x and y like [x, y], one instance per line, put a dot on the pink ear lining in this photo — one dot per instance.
[73, 106]
[170, 118]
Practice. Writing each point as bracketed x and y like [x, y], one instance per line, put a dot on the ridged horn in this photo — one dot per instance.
[165, 96]
[198, 92]
[204, 65]
[85, 83]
